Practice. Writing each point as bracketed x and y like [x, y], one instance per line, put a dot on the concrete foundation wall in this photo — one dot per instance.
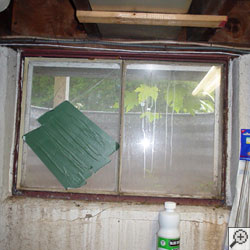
[39, 224]
[36, 224]
[8, 91]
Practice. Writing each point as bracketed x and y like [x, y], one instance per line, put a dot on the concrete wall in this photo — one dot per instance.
[36, 224]
[8, 75]
[39, 224]
[240, 115]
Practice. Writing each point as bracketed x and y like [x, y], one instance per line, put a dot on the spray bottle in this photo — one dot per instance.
[169, 234]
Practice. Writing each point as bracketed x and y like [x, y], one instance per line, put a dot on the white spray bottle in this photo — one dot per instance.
[169, 234]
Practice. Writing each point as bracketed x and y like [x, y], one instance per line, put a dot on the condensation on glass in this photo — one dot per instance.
[166, 115]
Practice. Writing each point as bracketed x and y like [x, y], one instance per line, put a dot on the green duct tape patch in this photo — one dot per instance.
[70, 145]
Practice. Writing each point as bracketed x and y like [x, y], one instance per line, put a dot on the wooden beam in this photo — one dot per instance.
[137, 18]
[61, 89]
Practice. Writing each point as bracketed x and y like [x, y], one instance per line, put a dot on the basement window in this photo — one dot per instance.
[166, 115]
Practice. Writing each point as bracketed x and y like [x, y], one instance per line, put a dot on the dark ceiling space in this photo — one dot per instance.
[56, 19]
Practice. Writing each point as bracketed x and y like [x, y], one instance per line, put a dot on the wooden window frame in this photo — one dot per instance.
[89, 54]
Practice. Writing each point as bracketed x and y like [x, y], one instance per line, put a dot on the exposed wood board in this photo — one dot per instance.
[158, 19]
[45, 18]
[117, 31]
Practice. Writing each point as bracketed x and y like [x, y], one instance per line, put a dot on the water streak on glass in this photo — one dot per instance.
[168, 141]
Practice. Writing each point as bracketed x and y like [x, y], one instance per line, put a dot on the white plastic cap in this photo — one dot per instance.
[170, 205]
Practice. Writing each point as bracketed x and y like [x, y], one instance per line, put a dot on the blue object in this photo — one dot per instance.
[245, 145]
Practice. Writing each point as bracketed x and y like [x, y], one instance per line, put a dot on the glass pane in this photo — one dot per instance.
[92, 87]
[169, 129]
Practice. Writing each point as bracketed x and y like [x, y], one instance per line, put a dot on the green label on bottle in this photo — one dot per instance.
[170, 244]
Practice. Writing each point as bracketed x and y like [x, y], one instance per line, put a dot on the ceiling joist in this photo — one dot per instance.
[159, 19]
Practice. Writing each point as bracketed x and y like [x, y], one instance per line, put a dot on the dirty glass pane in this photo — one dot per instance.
[171, 132]
[93, 88]
[169, 142]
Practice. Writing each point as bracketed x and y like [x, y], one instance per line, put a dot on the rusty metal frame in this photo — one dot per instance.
[89, 54]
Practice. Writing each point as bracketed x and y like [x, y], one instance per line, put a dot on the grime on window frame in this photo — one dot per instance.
[125, 60]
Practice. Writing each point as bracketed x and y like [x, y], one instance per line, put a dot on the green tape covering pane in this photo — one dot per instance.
[70, 145]
[66, 112]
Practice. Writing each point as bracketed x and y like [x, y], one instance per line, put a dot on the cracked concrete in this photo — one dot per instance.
[57, 224]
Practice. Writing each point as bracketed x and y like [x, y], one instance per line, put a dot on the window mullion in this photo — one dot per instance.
[123, 75]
